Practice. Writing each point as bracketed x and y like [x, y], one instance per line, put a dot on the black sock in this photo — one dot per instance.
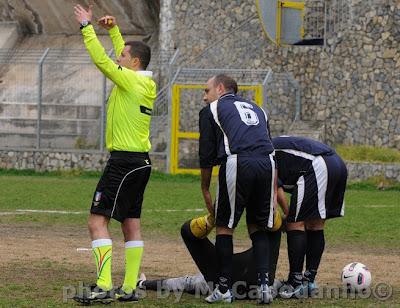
[297, 245]
[275, 242]
[315, 249]
[261, 252]
[153, 284]
[224, 249]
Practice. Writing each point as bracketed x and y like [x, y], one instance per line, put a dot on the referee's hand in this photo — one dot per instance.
[107, 22]
[82, 14]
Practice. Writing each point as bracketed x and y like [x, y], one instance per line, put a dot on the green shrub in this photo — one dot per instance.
[363, 153]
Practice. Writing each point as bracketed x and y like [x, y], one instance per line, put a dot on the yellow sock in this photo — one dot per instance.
[133, 258]
[102, 250]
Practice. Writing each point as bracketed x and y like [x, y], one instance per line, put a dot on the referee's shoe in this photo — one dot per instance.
[122, 296]
[94, 294]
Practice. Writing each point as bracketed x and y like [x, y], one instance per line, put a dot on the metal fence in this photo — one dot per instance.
[326, 18]
[55, 99]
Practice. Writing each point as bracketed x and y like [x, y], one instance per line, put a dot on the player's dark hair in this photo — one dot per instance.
[228, 82]
[140, 50]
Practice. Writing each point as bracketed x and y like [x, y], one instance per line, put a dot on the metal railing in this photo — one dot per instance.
[54, 99]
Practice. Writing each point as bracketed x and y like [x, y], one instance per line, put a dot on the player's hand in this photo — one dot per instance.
[81, 14]
[107, 22]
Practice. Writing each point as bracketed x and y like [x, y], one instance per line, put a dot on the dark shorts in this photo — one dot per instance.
[245, 182]
[319, 193]
[119, 193]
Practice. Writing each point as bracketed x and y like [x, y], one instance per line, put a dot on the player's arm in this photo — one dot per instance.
[205, 188]
[120, 76]
[207, 154]
[110, 24]
[282, 201]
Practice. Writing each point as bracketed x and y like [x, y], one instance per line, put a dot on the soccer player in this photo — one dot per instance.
[119, 193]
[234, 133]
[316, 178]
[244, 276]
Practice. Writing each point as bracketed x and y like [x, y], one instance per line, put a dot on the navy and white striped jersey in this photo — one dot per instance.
[294, 156]
[232, 125]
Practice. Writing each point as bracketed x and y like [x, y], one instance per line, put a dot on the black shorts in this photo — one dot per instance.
[319, 193]
[119, 193]
[245, 182]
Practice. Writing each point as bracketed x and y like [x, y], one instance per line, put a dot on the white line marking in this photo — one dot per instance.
[48, 211]
[29, 211]
[378, 206]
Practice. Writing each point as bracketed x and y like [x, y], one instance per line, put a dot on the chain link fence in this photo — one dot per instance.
[324, 19]
[56, 99]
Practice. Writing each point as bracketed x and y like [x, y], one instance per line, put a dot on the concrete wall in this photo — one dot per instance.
[137, 17]
[9, 34]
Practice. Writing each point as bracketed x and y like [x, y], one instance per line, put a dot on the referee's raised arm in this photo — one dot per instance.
[109, 23]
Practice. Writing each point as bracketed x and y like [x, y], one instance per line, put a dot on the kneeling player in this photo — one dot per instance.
[194, 234]
[316, 178]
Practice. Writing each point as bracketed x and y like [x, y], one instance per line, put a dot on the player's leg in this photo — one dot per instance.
[315, 249]
[296, 246]
[202, 251]
[228, 209]
[194, 284]
[303, 206]
[102, 249]
[260, 173]
[101, 241]
[133, 253]
[334, 169]
[127, 209]
[224, 254]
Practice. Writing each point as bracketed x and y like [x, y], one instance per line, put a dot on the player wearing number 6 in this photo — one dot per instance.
[119, 193]
[234, 133]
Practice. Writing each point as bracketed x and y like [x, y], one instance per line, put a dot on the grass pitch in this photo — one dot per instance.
[39, 249]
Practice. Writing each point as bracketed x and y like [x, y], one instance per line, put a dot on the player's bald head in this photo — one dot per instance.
[229, 83]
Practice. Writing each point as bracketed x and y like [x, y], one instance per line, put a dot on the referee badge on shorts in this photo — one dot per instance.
[97, 198]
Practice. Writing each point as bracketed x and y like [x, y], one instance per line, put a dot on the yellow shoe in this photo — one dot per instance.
[202, 226]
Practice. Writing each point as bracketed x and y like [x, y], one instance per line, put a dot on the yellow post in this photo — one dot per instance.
[278, 23]
[176, 134]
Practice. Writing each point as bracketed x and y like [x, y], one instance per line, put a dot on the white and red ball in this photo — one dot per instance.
[356, 276]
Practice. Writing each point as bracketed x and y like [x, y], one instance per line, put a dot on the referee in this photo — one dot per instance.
[119, 193]
[234, 133]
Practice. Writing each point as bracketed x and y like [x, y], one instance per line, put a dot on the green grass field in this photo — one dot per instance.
[371, 224]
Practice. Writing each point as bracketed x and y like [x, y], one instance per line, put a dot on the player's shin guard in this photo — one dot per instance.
[133, 258]
[297, 244]
[224, 249]
[102, 251]
[315, 249]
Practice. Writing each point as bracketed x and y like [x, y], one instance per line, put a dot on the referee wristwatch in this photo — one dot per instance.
[85, 23]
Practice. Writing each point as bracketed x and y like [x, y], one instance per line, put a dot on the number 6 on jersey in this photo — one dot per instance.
[248, 116]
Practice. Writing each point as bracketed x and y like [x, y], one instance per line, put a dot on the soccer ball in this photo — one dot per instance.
[356, 277]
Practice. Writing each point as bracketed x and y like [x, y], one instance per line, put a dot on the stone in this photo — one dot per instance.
[385, 35]
[389, 53]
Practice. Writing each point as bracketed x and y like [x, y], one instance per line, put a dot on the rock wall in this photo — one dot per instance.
[53, 161]
[352, 84]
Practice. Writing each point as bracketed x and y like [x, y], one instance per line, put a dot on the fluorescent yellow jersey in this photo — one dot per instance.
[131, 101]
